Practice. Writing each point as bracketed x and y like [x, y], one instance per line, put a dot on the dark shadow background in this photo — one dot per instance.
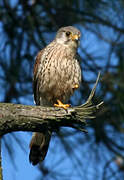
[26, 26]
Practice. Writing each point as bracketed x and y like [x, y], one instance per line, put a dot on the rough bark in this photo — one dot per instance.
[17, 117]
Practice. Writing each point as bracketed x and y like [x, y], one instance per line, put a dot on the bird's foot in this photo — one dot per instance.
[61, 105]
[76, 86]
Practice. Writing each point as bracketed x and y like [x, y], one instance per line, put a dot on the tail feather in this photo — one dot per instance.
[39, 146]
[35, 154]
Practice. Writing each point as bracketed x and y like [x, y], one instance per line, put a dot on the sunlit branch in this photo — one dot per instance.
[17, 117]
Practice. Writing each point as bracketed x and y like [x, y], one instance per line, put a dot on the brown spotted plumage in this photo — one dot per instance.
[57, 74]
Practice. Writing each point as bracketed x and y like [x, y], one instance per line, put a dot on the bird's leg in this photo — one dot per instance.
[61, 105]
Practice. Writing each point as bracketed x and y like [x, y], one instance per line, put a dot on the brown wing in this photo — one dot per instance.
[40, 141]
[35, 75]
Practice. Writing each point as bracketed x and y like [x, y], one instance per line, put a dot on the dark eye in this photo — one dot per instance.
[68, 33]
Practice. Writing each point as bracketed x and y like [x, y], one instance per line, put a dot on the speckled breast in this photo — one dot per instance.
[60, 74]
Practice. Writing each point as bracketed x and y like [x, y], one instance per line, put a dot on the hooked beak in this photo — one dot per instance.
[75, 37]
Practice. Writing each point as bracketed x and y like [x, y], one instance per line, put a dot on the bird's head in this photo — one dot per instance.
[68, 36]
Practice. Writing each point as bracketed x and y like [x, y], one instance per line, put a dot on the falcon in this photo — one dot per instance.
[57, 74]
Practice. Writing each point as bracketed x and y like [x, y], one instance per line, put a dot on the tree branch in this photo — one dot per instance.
[17, 117]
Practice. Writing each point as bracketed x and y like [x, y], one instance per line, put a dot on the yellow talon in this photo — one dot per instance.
[76, 86]
[61, 105]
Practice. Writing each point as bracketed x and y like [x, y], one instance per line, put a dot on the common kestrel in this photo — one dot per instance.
[57, 74]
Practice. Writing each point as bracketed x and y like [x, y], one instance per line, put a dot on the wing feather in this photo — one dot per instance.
[36, 76]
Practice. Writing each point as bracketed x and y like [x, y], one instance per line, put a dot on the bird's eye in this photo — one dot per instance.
[68, 33]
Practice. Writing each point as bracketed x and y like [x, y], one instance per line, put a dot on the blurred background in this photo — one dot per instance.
[26, 26]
